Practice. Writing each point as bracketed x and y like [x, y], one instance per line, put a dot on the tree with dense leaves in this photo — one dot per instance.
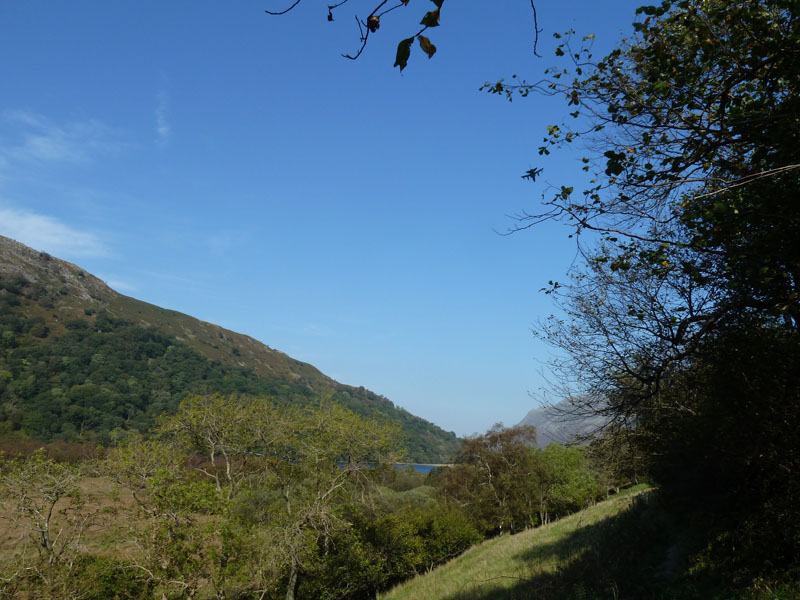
[288, 468]
[568, 485]
[688, 223]
[497, 478]
[682, 321]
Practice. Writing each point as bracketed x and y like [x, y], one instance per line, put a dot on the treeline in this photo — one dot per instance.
[240, 498]
[92, 379]
[506, 484]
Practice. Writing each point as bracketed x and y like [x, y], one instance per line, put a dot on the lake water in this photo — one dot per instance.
[419, 468]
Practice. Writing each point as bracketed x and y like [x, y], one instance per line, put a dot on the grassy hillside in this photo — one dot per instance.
[513, 566]
[630, 547]
[78, 358]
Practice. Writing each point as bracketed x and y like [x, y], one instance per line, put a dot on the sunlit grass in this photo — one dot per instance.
[493, 568]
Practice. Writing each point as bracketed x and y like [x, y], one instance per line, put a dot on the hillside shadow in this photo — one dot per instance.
[627, 556]
[552, 569]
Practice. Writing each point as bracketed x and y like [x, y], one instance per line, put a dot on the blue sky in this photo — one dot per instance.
[211, 159]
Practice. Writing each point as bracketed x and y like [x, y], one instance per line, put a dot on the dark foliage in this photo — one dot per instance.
[730, 456]
[110, 375]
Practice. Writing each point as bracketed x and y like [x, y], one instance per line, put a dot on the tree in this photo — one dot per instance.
[497, 477]
[568, 484]
[690, 208]
[178, 548]
[315, 459]
[372, 23]
[221, 428]
[48, 511]
[245, 493]
[616, 460]
[682, 320]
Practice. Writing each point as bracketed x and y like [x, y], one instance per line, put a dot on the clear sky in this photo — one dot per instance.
[211, 159]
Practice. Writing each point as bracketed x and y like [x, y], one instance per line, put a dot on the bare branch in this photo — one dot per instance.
[536, 31]
[283, 12]
[364, 37]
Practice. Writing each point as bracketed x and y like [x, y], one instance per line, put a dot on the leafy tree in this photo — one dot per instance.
[223, 429]
[683, 318]
[616, 460]
[44, 504]
[568, 484]
[245, 493]
[88, 382]
[729, 454]
[689, 209]
[384, 548]
[496, 478]
[314, 457]
[178, 551]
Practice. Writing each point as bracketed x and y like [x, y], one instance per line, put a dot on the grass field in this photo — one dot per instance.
[507, 566]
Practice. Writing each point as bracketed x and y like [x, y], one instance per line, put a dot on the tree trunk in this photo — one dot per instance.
[292, 587]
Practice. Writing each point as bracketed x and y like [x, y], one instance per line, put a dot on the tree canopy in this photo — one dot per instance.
[688, 222]
[681, 320]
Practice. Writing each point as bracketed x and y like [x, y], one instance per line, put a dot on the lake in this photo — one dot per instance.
[419, 468]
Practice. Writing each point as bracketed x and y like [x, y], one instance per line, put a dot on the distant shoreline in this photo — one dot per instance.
[422, 467]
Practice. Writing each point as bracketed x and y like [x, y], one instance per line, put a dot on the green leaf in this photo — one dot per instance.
[426, 46]
[403, 53]
[438, 3]
[661, 88]
[614, 163]
[431, 19]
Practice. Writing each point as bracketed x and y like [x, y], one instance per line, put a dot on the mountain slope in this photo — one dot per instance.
[562, 423]
[76, 357]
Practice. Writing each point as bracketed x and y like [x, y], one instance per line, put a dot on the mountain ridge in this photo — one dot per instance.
[563, 423]
[99, 295]
[61, 302]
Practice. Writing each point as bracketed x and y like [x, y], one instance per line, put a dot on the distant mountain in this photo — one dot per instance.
[78, 359]
[560, 423]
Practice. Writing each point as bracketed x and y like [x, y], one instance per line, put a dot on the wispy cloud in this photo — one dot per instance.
[225, 240]
[49, 234]
[120, 286]
[30, 137]
[163, 129]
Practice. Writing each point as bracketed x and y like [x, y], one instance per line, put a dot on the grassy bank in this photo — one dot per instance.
[503, 566]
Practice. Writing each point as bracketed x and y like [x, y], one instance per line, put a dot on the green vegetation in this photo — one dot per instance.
[515, 566]
[683, 318]
[112, 375]
[80, 363]
[507, 485]
[255, 516]
[630, 546]
[682, 325]
[240, 498]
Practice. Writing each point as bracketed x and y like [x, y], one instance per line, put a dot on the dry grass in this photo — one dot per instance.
[108, 529]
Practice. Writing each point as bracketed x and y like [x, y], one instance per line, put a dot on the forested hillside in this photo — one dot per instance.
[80, 361]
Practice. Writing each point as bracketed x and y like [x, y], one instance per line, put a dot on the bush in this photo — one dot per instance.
[104, 578]
[406, 479]
[446, 532]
